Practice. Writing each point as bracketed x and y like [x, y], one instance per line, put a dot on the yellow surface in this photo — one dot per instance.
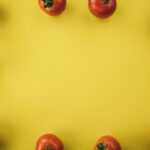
[74, 75]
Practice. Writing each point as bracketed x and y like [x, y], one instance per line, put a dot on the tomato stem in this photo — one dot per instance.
[48, 148]
[106, 1]
[102, 146]
[48, 3]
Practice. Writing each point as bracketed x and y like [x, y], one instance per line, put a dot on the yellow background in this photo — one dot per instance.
[74, 75]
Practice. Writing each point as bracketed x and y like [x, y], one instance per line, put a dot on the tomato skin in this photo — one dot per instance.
[49, 142]
[102, 8]
[55, 9]
[108, 143]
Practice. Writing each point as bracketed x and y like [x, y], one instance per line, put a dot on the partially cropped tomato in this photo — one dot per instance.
[52, 7]
[102, 8]
[107, 143]
[49, 142]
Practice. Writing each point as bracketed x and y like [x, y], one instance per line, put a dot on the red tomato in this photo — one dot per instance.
[52, 7]
[102, 8]
[49, 142]
[107, 143]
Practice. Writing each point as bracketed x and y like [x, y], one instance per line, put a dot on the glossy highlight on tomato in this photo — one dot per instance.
[52, 7]
[102, 8]
[49, 142]
[107, 143]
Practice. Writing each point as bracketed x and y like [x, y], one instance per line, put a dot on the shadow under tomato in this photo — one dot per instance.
[6, 136]
[3, 144]
[3, 15]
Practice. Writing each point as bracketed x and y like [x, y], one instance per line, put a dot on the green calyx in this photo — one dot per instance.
[47, 148]
[48, 3]
[102, 146]
[105, 1]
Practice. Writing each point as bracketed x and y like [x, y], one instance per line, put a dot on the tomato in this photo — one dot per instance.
[107, 143]
[49, 142]
[52, 7]
[102, 8]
